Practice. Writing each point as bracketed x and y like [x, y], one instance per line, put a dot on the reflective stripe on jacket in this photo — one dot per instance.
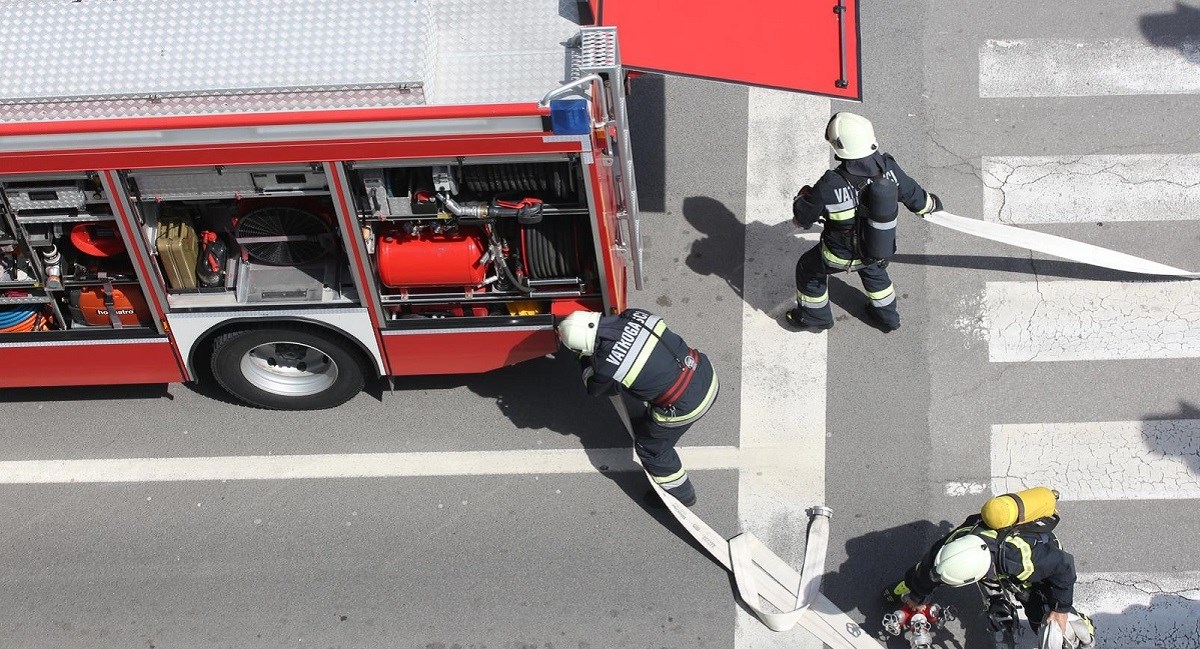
[637, 350]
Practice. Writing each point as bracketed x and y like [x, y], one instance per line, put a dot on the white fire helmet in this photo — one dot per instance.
[578, 332]
[851, 136]
[963, 561]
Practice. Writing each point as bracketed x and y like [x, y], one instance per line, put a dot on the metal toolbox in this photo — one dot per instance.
[314, 282]
[179, 248]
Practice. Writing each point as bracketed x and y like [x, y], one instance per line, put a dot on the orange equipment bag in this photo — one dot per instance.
[124, 306]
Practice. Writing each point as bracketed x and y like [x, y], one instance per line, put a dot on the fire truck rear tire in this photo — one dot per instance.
[288, 368]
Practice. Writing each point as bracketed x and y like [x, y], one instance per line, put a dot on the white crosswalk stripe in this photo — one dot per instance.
[1108, 460]
[783, 372]
[1132, 609]
[1082, 321]
[1091, 188]
[1046, 67]
[1085, 320]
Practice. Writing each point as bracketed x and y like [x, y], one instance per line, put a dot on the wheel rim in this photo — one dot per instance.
[289, 369]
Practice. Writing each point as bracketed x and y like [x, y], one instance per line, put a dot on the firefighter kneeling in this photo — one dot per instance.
[637, 351]
[1008, 549]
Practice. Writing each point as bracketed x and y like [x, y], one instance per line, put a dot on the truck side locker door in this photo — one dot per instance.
[808, 46]
[79, 353]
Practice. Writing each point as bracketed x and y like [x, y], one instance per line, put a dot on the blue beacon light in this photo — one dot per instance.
[570, 117]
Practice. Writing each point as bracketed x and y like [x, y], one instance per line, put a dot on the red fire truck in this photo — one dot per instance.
[297, 197]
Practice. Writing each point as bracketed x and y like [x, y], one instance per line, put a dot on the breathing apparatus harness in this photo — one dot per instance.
[997, 589]
[854, 239]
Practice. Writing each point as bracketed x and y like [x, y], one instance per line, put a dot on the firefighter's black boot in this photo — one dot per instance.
[796, 319]
[888, 323]
[684, 493]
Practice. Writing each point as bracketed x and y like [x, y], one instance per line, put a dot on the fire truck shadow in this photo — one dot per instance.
[150, 392]
[647, 116]
[879, 559]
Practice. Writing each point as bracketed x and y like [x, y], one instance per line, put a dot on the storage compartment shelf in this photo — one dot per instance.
[229, 299]
[71, 283]
[30, 299]
[214, 196]
[548, 211]
[63, 218]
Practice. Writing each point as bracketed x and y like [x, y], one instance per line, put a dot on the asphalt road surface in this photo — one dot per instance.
[509, 517]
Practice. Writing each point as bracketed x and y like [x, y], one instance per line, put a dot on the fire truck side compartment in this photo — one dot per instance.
[424, 135]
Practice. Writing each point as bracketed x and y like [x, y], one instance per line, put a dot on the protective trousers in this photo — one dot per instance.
[812, 289]
[655, 446]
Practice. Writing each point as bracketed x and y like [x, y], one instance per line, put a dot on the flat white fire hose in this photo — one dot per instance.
[761, 576]
[1055, 246]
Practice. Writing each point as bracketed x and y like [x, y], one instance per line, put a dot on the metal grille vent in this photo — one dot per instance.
[283, 236]
[599, 49]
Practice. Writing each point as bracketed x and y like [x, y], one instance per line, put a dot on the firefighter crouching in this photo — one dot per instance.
[635, 350]
[858, 200]
[1009, 547]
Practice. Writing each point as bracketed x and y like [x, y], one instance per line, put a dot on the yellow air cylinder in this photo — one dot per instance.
[1021, 507]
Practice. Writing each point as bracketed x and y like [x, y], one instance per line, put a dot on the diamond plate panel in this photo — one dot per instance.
[80, 59]
[60, 48]
[492, 51]
[101, 108]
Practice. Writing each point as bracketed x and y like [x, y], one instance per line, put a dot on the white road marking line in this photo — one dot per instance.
[1084, 320]
[1107, 460]
[783, 372]
[1133, 609]
[1046, 67]
[1091, 188]
[965, 488]
[375, 465]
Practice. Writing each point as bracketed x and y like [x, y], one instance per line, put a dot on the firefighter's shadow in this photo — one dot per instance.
[1171, 435]
[726, 245]
[1164, 616]
[758, 261]
[1175, 30]
[879, 559]
[548, 394]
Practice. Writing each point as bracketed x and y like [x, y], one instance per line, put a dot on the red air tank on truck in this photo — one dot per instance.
[296, 198]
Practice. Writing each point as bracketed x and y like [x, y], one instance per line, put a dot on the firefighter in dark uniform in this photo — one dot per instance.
[637, 352]
[858, 201]
[1027, 562]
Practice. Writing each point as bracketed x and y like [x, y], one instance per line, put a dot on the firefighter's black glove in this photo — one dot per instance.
[1002, 616]
[588, 372]
[803, 198]
[937, 205]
